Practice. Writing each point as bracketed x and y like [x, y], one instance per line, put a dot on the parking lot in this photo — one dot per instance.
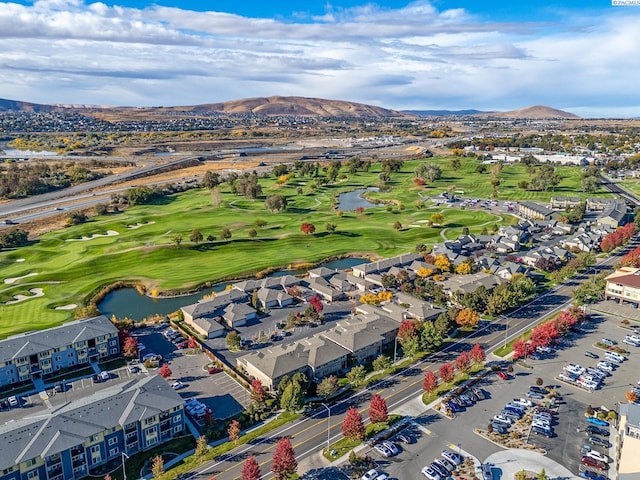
[221, 393]
[435, 432]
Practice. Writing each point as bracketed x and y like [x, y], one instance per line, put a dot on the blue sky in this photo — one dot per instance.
[582, 56]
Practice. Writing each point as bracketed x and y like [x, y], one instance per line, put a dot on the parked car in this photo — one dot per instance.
[547, 432]
[535, 395]
[455, 408]
[595, 440]
[523, 401]
[593, 463]
[177, 385]
[501, 374]
[502, 419]
[606, 366]
[479, 393]
[370, 475]
[430, 474]
[499, 428]
[393, 448]
[609, 342]
[540, 408]
[597, 421]
[444, 463]
[537, 389]
[453, 457]
[592, 429]
[382, 450]
[593, 475]
[443, 472]
[614, 357]
[133, 368]
[13, 401]
[182, 344]
[404, 438]
[591, 355]
[95, 378]
[213, 370]
[597, 456]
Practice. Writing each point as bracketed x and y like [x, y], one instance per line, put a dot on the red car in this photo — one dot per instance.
[593, 463]
[183, 344]
[502, 375]
[213, 370]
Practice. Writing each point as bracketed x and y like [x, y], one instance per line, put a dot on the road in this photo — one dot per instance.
[309, 434]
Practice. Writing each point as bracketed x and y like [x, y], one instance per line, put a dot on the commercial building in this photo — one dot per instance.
[629, 442]
[624, 285]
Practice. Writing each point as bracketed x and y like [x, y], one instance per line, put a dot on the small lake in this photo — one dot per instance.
[127, 302]
[349, 201]
[15, 153]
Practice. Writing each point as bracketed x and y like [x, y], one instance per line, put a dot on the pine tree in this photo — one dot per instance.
[250, 469]
[378, 409]
[352, 425]
[284, 460]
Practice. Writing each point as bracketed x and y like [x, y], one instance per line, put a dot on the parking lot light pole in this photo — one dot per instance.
[64, 389]
[506, 332]
[328, 424]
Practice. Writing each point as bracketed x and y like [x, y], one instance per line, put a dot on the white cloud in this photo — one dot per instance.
[68, 51]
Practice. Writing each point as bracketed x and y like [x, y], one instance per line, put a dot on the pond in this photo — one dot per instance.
[127, 302]
[349, 201]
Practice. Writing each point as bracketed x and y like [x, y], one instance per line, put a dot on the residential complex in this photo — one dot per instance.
[41, 354]
[71, 441]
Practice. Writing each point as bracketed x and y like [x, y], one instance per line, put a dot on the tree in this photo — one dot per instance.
[477, 354]
[455, 164]
[327, 386]
[462, 362]
[233, 341]
[276, 203]
[225, 234]
[130, 348]
[196, 236]
[382, 362]
[331, 227]
[430, 337]
[446, 372]
[234, 431]
[193, 343]
[378, 409]
[542, 475]
[437, 219]
[165, 371]
[397, 226]
[356, 375]
[521, 349]
[467, 318]
[521, 475]
[201, 446]
[429, 172]
[258, 392]
[211, 179]
[158, 467]
[590, 184]
[463, 269]
[430, 382]
[307, 228]
[316, 303]
[284, 463]
[442, 263]
[176, 238]
[250, 469]
[292, 398]
[352, 425]
[631, 396]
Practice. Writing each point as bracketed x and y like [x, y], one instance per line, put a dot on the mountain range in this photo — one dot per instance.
[278, 106]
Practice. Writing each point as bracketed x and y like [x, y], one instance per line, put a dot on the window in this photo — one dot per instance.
[30, 463]
[94, 438]
[32, 474]
[113, 451]
[177, 419]
[113, 440]
[177, 430]
[95, 449]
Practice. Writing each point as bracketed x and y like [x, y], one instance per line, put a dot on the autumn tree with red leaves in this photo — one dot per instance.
[130, 348]
[378, 409]
[193, 343]
[430, 382]
[258, 392]
[284, 463]
[446, 372]
[165, 371]
[463, 362]
[521, 349]
[316, 303]
[408, 329]
[352, 425]
[477, 354]
[307, 228]
[234, 431]
[250, 469]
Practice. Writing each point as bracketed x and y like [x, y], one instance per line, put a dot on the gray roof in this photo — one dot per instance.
[211, 305]
[33, 343]
[277, 360]
[322, 351]
[469, 283]
[632, 411]
[72, 424]
[209, 324]
[359, 332]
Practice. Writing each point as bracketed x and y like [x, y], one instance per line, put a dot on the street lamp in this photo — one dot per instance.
[506, 332]
[328, 424]
[124, 472]
[395, 349]
[64, 389]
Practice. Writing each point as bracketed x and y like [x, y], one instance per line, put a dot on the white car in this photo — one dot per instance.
[606, 366]
[503, 419]
[431, 474]
[382, 450]
[597, 456]
[614, 357]
[177, 385]
[370, 475]
[541, 424]
[523, 401]
[630, 341]
[452, 457]
[575, 369]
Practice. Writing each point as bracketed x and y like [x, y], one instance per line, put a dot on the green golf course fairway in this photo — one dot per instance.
[71, 271]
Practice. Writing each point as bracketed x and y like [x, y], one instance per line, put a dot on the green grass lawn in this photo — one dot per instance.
[70, 271]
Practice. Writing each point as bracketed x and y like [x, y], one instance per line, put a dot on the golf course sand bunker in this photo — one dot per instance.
[110, 233]
[37, 292]
[138, 225]
[71, 306]
[9, 281]
[19, 260]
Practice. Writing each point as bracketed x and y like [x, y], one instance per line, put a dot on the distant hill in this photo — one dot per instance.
[535, 112]
[276, 106]
[443, 113]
